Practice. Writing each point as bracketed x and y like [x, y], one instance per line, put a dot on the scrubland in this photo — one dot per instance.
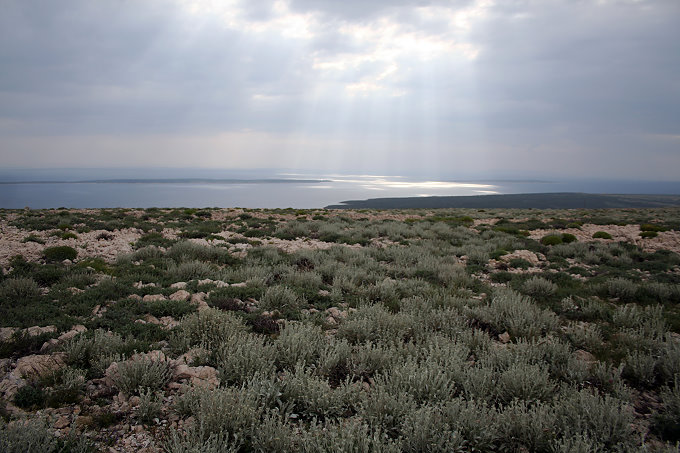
[233, 330]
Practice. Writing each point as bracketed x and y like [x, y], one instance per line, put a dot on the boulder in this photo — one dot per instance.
[153, 298]
[180, 295]
[6, 333]
[522, 254]
[32, 366]
[204, 376]
[36, 330]
[75, 330]
[179, 285]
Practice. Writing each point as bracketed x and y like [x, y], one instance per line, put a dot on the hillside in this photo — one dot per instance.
[517, 201]
[232, 330]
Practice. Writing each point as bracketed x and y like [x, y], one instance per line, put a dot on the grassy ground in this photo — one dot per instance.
[187, 330]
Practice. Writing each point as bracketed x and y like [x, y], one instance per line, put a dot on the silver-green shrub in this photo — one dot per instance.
[604, 418]
[299, 343]
[30, 435]
[142, 373]
[150, 405]
[242, 357]
[208, 328]
[539, 287]
[514, 313]
[18, 289]
[281, 298]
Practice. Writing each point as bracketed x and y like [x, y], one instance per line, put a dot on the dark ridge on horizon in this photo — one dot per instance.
[175, 181]
[563, 200]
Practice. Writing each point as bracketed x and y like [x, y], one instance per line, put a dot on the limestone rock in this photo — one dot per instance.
[179, 285]
[75, 330]
[205, 376]
[522, 254]
[36, 330]
[6, 333]
[585, 356]
[504, 337]
[153, 297]
[180, 295]
[39, 365]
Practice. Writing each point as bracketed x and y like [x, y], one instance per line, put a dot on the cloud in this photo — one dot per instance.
[456, 86]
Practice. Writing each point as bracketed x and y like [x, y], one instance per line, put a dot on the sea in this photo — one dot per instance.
[145, 188]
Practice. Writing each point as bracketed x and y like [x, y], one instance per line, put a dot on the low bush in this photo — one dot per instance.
[60, 253]
[601, 235]
[31, 435]
[137, 374]
[539, 287]
[19, 289]
[666, 422]
[551, 239]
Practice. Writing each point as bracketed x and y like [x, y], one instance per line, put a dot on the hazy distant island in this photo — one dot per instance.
[565, 200]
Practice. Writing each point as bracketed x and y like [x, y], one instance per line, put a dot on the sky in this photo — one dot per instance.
[443, 89]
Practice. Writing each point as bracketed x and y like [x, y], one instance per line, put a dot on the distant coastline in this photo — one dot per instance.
[564, 200]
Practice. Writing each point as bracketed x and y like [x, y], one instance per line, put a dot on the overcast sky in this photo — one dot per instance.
[457, 88]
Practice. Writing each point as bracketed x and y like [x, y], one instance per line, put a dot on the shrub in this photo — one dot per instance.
[19, 289]
[60, 253]
[604, 418]
[551, 239]
[85, 351]
[568, 238]
[666, 423]
[190, 270]
[299, 343]
[648, 234]
[227, 412]
[509, 311]
[197, 441]
[281, 298]
[601, 235]
[243, 357]
[639, 368]
[651, 227]
[33, 238]
[539, 287]
[29, 397]
[621, 288]
[22, 436]
[150, 405]
[208, 329]
[137, 374]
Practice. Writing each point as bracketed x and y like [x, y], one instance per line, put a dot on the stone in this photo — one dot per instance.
[62, 422]
[239, 285]
[331, 321]
[6, 333]
[504, 337]
[180, 295]
[153, 298]
[75, 330]
[585, 356]
[135, 297]
[39, 365]
[35, 330]
[522, 254]
[205, 376]
[179, 285]
[83, 421]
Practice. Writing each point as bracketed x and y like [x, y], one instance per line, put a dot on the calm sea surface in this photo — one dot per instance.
[257, 194]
